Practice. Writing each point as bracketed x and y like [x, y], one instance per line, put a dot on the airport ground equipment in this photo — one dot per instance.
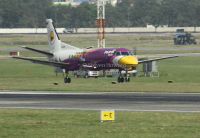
[150, 67]
[85, 73]
[115, 72]
[184, 39]
[68, 30]
[59, 70]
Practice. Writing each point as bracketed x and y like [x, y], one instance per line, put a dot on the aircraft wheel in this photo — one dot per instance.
[119, 80]
[65, 80]
[122, 79]
[68, 80]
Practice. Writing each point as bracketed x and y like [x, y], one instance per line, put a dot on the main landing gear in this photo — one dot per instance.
[67, 79]
[121, 79]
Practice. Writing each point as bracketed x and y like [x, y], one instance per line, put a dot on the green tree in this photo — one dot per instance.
[11, 13]
[193, 13]
[113, 16]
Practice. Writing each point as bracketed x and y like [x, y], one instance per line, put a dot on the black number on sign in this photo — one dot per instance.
[110, 115]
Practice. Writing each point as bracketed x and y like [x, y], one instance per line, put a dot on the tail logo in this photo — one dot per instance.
[51, 36]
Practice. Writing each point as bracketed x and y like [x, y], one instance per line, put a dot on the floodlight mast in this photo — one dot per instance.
[101, 23]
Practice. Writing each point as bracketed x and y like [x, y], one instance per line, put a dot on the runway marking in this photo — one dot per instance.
[132, 110]
[79, 93]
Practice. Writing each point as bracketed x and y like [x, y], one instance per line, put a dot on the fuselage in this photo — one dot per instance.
[97, 59]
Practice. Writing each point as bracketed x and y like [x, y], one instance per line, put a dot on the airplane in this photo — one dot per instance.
[71, 58]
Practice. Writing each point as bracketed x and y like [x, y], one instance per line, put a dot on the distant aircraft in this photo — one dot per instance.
[72, 58]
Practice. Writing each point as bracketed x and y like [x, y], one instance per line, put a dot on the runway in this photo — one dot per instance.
[124, 101]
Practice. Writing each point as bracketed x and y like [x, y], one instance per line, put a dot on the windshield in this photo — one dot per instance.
[125, 53]
[118, 53]
[130, 53]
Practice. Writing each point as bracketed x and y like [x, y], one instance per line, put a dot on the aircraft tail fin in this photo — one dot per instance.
[53, 38]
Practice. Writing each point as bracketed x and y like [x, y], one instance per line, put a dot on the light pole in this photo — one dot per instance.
[128, 18]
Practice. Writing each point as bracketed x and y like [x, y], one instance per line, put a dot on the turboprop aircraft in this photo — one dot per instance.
[72, 58]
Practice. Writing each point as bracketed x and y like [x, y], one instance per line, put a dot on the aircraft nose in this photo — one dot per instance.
[128, 62]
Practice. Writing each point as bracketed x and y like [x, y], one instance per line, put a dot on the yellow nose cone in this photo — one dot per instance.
[128, 62]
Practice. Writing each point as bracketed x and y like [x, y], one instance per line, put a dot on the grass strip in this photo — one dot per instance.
[21, 123]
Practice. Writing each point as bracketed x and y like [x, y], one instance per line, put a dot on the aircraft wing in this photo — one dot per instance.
[39, 51]
[149, 60]
[49, 63]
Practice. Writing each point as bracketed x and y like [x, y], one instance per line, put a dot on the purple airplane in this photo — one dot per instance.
[72, 58]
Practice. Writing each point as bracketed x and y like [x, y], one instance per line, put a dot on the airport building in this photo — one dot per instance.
[75, 3]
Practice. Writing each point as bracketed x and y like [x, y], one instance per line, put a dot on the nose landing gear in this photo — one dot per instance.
[67, 80]
[121, 79]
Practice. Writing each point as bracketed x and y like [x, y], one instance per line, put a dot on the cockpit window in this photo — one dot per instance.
[118, 53]
[125, 53]
[130, 53]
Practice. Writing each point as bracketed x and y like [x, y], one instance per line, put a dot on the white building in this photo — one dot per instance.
[75, 3]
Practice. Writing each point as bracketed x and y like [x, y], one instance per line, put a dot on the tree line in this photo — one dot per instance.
[128, 13]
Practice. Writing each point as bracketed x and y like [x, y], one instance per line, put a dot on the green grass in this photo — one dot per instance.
[184, 71]
[112, 40]
[19, 123]
[22, 123]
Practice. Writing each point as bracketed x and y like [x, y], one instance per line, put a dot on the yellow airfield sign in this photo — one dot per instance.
[108, 115]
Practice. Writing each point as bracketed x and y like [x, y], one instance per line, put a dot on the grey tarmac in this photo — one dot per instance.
[123, 101]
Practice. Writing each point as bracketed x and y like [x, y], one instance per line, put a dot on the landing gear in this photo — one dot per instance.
[67, 79]
[121, 79]
[127, 79]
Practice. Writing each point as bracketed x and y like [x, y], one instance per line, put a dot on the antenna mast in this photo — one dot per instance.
[101, 23]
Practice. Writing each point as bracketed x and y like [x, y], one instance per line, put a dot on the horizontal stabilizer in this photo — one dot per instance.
[88, 47]
[39, 51]
[66, 46]
[150, 60]
[49, 63]
[87, 66]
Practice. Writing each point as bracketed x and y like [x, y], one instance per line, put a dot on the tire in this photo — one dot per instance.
[119, 80]
[122, 79]
[65, 80]
[68, 80]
